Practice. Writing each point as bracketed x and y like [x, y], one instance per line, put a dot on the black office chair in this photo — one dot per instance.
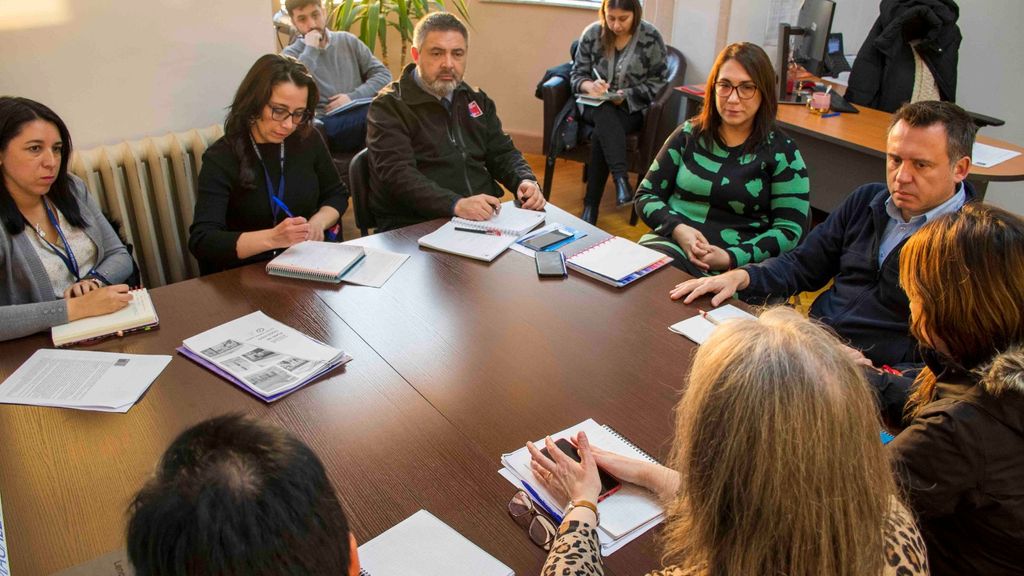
[359, 186]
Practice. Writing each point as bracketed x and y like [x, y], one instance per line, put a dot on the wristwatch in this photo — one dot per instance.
[583, 504]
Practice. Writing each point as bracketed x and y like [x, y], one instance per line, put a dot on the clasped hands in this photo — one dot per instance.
[698, 250]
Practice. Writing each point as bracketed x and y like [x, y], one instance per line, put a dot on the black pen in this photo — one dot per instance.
[479, 231]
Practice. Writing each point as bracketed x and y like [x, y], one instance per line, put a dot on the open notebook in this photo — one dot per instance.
[139, 314]
[625, 515]
[505, 227]
[700, 327]
[423, 545]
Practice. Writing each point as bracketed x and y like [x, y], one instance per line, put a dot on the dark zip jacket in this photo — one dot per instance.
[866, 304]
[424, 159]
[961, 463]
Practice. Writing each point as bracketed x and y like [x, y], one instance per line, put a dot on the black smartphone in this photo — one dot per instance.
[550, 264]
[541, 242]
[609, 485]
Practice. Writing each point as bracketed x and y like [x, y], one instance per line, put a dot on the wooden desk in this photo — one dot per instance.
[846, 151]
[455, 362]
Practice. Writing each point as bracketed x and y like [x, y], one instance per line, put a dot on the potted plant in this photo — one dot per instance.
[374, 17]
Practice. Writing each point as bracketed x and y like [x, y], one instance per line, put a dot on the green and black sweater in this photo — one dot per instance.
[752, 205]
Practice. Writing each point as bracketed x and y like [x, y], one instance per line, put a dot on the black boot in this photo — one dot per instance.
[590, 214]
[623, 191]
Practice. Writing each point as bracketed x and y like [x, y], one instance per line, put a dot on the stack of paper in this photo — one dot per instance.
[100, 381]
[423, 545]
[262, 356]
[625, 515]
[700, 327]
[491, 237]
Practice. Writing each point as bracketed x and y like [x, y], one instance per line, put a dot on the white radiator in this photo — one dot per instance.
[149, 185]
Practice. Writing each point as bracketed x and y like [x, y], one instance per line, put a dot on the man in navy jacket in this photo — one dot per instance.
[927, 160]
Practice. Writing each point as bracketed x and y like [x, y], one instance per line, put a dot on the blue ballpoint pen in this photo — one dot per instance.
[283, 206]
[540, 501]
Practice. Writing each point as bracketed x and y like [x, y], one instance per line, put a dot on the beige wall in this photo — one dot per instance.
[124, 70]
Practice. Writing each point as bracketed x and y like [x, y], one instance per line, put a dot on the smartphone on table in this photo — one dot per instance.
[609, 484]
[550, 264]
[538, 243]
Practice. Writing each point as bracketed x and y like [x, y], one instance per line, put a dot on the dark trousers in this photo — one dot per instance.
[607, 145]
[346, 131]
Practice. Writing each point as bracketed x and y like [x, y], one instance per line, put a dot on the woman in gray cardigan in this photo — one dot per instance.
[59, 258]
[620, 59]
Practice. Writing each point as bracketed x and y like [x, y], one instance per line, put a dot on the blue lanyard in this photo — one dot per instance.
[271, 192]
[68, 256]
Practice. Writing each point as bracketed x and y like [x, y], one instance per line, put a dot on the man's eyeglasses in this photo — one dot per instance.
[298, 117]
[542, 531]
[745, 91]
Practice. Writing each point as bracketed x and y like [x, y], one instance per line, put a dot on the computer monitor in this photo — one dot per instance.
[813, 27]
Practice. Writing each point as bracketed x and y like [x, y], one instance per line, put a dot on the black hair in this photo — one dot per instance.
[15, 112]
[233, 496]
[253, 95]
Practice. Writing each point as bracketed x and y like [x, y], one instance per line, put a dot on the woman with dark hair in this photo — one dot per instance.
[269, 182]
[776, 467]
[960, 457]
[59, 258]
[620, 58]
[728, 187]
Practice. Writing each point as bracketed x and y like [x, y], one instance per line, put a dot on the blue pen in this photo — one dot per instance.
[536, 497]
[830, 115]
[283, 206]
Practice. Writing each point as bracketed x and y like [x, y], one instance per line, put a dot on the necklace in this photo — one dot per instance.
[39, 230]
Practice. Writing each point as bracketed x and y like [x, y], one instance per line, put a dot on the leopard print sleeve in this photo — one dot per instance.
[575, 552]
[905, 554]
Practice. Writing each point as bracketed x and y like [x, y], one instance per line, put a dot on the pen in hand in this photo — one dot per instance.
[283, 206]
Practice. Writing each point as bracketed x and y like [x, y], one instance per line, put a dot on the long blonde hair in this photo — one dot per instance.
[778, 449]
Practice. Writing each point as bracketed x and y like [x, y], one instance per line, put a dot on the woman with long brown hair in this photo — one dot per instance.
[270, 181]
[620, 60]
[776, 467]
[728, 187]
[961, 455]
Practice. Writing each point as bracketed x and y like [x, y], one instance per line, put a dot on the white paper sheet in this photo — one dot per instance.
[988, 156]
[100, 381]
[376, 268]
[699, 329]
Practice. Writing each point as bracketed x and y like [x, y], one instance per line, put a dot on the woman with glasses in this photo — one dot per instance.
[776, 467]
[620, 59]
[59, 258]
[728, 187]
[269, 182]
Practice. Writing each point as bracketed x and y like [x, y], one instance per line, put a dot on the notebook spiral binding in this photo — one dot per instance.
[632, 446]
[483, 226]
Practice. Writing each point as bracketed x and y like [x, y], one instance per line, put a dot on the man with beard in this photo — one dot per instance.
[436, 146]
[344, 70]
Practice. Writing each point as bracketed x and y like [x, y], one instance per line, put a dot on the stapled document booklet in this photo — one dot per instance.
[423, 545]
[262, 356]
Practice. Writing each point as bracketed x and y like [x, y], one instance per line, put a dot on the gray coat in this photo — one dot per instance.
[27, 302]
[641, 71]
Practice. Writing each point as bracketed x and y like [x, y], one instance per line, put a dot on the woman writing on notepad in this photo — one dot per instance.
[59, 258]
[270, 181]
[728, 187]
[621, 59]
[776, 468]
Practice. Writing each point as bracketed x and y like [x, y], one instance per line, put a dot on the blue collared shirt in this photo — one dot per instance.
[446, 101]
[897, 230]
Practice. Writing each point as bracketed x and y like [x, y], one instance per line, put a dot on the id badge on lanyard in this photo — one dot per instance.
[67, 256]
[271, 191]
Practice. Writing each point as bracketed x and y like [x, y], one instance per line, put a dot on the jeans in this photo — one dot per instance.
[346, 131]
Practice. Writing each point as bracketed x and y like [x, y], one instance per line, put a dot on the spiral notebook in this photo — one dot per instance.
[320, 261]
[617, 261]
[503, 229]
[626, 514]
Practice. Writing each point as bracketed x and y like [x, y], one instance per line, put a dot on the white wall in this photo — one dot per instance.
[120, 70]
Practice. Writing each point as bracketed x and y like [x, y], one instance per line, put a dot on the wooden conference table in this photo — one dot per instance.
[843, 152]
[455, 362]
